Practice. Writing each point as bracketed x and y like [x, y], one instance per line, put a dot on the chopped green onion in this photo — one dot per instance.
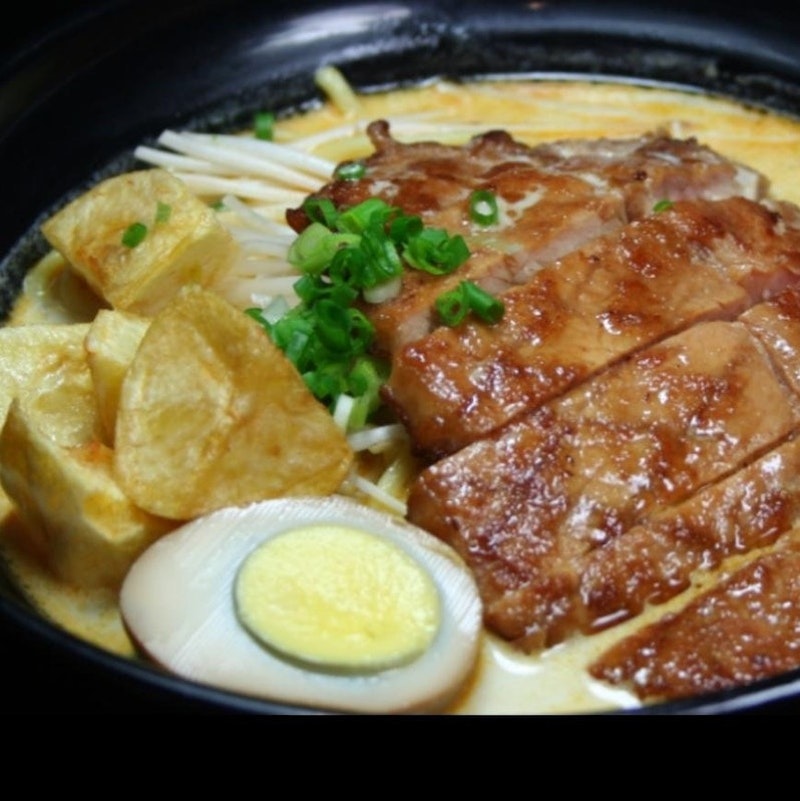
[350, 171]
[663, 205]
[434, 251]
[485, 306]
[344, 254]
[454, 306]
[163, 212]
[381, 259]
[264, 125]
[385, 291]
[321, 210]
[134, 235]
[333, 325]
[483, 207]
[316, 246]
[258, 315]
[365, 380]
[404, 228]
[356, 219]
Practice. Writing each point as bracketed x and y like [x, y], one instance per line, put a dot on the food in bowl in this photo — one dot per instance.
[672, 193]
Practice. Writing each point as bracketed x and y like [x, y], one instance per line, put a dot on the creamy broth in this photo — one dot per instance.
[505, 682]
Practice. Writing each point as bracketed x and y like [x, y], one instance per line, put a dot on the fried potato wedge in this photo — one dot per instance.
[49, 363]
[77, 519]
[212, 414]
[182, 243]
[111, 343]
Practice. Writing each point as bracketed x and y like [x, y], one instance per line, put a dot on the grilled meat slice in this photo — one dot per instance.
[552, 199]
[777, 324]
[525, 507]
[744, 629]
[698, 260]
[655, 561]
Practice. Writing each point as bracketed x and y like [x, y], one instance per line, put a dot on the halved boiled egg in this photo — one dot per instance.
[319, 602]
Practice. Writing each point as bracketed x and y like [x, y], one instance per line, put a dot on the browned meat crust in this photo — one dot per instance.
[634, 418]
[553, 513]
[699, 260]
[744, 629]
[654, 561]
[553, 198]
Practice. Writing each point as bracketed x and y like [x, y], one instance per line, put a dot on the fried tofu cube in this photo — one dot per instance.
[52, 293]
[180, 241]
[111, 344]
[53, 469]
[46, 357]
[50, 362]
[78, 520]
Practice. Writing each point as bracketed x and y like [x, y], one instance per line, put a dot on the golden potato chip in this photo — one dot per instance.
[110, 344]
[212, 414]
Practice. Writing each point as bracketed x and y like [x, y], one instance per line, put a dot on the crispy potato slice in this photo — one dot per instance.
[184, 243]
[212, 414]
[77, 519]
[111, 343]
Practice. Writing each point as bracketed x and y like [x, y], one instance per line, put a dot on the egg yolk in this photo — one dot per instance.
[339, 598]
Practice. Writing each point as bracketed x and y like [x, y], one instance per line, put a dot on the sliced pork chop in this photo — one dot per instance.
[655, 561]
[744, 629]
[697, 261]
[552, 199]
[525, 507]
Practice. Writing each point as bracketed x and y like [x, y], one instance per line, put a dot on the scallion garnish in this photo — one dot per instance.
[350, 171]
[264, 125]
[163, 212]
[483, 207]
[663, 205]
[321, 210]
[435, 251]
[344, 255]
[454, 306]
[316, 246]
[134, 234]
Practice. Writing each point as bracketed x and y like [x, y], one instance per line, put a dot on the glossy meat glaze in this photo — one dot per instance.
[631, 419]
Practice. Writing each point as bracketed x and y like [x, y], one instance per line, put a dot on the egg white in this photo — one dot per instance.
[178, 603]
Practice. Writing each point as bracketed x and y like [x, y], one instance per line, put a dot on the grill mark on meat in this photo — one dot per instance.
[528, 508]
[777, 325]
[744, 511]
[584, 493]
[744, 629]
[655, 561]
[700, 260]
[553, 199]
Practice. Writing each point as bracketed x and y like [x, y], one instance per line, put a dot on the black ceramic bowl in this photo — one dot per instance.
[81, 86]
